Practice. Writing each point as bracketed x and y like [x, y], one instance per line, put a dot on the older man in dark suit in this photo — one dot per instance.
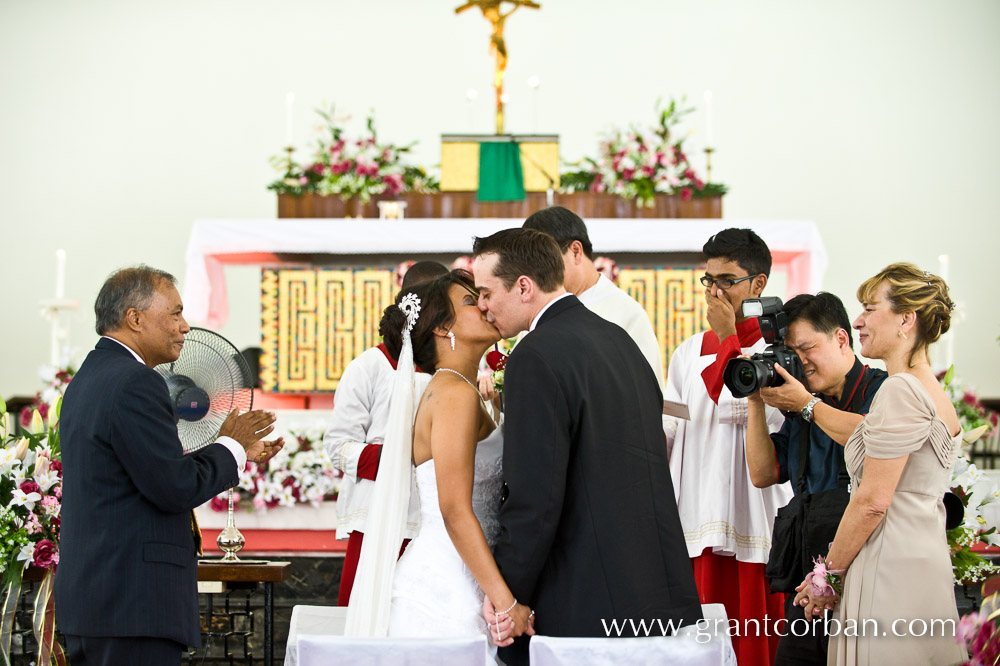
[590, 531]
[126, 588]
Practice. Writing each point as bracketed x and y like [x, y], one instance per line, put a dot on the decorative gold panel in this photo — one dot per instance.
[315, 321]
[673, 301]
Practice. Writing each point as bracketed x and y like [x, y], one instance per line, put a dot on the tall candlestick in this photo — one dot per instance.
[289, 105]
[709, 140]
[60, 274]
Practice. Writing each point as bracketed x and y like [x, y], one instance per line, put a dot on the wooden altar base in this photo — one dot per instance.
[588, 205]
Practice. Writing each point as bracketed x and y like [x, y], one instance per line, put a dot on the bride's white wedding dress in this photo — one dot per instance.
[433, 592]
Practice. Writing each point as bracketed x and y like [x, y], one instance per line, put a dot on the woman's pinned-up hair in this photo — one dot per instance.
[916, 291]
[435, 310]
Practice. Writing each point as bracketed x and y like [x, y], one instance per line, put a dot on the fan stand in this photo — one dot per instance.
[230, 540]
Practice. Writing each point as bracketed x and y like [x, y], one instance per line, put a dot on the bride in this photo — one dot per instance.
[438, 584]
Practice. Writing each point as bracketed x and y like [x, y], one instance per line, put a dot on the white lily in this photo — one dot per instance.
[21, 450]
[26, 553]
[46, 480]
[41, 464]
[27, 500]
[37, 426]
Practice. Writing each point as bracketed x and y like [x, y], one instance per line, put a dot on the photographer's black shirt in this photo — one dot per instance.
[825, 454]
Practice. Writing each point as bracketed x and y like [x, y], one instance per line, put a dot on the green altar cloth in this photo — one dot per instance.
[500, 177]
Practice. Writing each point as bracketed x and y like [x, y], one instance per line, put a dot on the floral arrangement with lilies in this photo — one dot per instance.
[641, 162]
[31, 493]
[350, 167]
[973, 488]
[300, 473]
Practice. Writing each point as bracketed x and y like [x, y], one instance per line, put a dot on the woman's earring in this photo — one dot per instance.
[901, 334]
[452, 336]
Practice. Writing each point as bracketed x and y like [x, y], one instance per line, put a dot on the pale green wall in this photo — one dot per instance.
[121, 122]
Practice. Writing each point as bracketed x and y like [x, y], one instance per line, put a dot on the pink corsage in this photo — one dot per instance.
[825, 582]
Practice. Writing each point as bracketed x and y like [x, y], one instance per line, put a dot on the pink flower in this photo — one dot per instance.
[219, 504]
[394, 183]
[46, 554]
[598, 184]
[317, 168]
[29, 487]
[648, 171]
[340, 167]
[628, 174]
[57, 491]
[33, 525]
[303, 180]
[258, 503]
[686, 194]
[967, 627]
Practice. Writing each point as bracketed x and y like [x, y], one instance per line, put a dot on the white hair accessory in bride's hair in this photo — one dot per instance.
[410, 305]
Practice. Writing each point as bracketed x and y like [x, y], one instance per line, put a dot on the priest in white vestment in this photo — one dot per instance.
[727, 521]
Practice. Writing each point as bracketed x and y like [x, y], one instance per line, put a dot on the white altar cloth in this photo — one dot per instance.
[795, 245]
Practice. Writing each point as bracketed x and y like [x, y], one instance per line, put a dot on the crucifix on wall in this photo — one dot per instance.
[492, 10]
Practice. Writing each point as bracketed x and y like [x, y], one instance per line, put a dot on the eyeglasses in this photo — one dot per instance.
[724, 283]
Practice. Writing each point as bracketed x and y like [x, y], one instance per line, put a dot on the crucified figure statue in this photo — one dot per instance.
[492, 11]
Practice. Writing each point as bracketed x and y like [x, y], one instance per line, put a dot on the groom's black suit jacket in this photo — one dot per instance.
[590, 530]
[128, 565]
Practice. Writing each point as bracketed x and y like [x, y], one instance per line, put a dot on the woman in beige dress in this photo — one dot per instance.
[898, 604]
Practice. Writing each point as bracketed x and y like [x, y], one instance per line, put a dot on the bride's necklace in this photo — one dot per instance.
[464, 378]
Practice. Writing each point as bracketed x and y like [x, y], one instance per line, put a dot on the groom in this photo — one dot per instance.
[590, 532]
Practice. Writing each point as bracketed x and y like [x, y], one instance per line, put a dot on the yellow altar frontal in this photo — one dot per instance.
[460, 160]
[314, 321]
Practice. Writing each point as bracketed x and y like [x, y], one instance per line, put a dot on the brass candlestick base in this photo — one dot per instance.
[708, 164]
[230, 540]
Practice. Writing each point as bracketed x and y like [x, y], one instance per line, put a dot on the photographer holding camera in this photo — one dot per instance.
[808, 451]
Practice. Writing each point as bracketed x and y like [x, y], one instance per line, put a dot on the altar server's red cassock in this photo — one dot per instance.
[727, 521]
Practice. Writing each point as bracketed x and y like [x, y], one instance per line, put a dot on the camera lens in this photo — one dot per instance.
[744, 376]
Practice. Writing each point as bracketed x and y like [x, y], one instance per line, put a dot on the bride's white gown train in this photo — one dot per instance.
[433, 592]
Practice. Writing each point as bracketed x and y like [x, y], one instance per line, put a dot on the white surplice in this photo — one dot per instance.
[719, 506]
[360, 416]
[609, 301]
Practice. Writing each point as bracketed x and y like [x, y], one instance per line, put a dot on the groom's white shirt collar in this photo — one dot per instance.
[534, 322]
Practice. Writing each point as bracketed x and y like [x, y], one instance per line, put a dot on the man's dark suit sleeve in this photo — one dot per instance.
[147, 445]
[536, 456]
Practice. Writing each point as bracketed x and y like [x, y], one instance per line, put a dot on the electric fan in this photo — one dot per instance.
[208, 381]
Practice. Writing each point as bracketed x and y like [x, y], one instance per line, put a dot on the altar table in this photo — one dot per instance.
[795, 245]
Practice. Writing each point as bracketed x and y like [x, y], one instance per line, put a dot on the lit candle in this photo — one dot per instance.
[943, 267]
[289, 104]
[709, 143]
[60, 274]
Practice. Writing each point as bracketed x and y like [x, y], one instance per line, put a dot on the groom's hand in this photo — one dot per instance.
[501, 627]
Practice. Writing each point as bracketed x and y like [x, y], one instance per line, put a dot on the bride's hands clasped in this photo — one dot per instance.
[505, 626]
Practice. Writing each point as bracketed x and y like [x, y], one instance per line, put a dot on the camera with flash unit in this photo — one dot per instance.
[745, 376]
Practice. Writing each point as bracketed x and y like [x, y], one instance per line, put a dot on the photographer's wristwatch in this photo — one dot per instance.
[807, 411]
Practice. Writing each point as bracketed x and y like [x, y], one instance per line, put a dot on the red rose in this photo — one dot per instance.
[55, 522]
[496, 360]
[686, 194]
[29, 487]
[219, 504]
[46, 554]
[56, 466]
